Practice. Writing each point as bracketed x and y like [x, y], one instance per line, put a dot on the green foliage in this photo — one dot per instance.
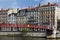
[24, 30]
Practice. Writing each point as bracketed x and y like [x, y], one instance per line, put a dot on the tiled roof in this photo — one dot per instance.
[32, 8]
[54, 4]
[3, 10]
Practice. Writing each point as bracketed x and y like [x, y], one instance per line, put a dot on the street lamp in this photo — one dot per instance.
[28, 25]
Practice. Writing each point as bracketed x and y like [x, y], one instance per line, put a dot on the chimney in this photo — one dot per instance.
[48, 3]
[29, 7]
[1, 8]
[55, 4]
[39, 4]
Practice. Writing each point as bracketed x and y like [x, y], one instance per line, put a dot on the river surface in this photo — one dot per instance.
[23, 38]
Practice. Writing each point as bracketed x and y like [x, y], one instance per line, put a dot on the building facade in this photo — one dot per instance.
[21, 20]
[33, 16]
[43, 15]
[49, 14]
[12, 19]
[12, 10]
[3, 16]
[21, 16]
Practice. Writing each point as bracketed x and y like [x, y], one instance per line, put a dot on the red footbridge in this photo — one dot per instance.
[24, 26]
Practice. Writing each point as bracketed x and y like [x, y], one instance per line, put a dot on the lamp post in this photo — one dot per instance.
[28, 25]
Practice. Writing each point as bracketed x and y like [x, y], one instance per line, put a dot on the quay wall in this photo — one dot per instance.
[58, 34]
[33, 34]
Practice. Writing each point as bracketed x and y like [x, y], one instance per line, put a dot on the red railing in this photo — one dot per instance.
[23, 26]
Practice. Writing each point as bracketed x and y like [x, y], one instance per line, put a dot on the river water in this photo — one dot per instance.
[23, 38]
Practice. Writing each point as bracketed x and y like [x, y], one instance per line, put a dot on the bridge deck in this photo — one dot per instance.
[24, 26]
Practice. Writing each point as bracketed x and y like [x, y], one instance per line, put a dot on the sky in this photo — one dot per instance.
[24, 3]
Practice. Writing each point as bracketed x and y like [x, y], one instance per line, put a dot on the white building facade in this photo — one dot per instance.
[12, 19]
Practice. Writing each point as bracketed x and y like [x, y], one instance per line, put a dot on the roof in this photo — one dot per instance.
[15, 14]
[46, 5]
[54, 4]
[3, 10]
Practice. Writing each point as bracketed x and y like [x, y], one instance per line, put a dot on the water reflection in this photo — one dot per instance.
[54, 39]
[23, 38]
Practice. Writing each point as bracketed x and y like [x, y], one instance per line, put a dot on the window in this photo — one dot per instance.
[35, 29]
[5, 29]
[38, 29]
